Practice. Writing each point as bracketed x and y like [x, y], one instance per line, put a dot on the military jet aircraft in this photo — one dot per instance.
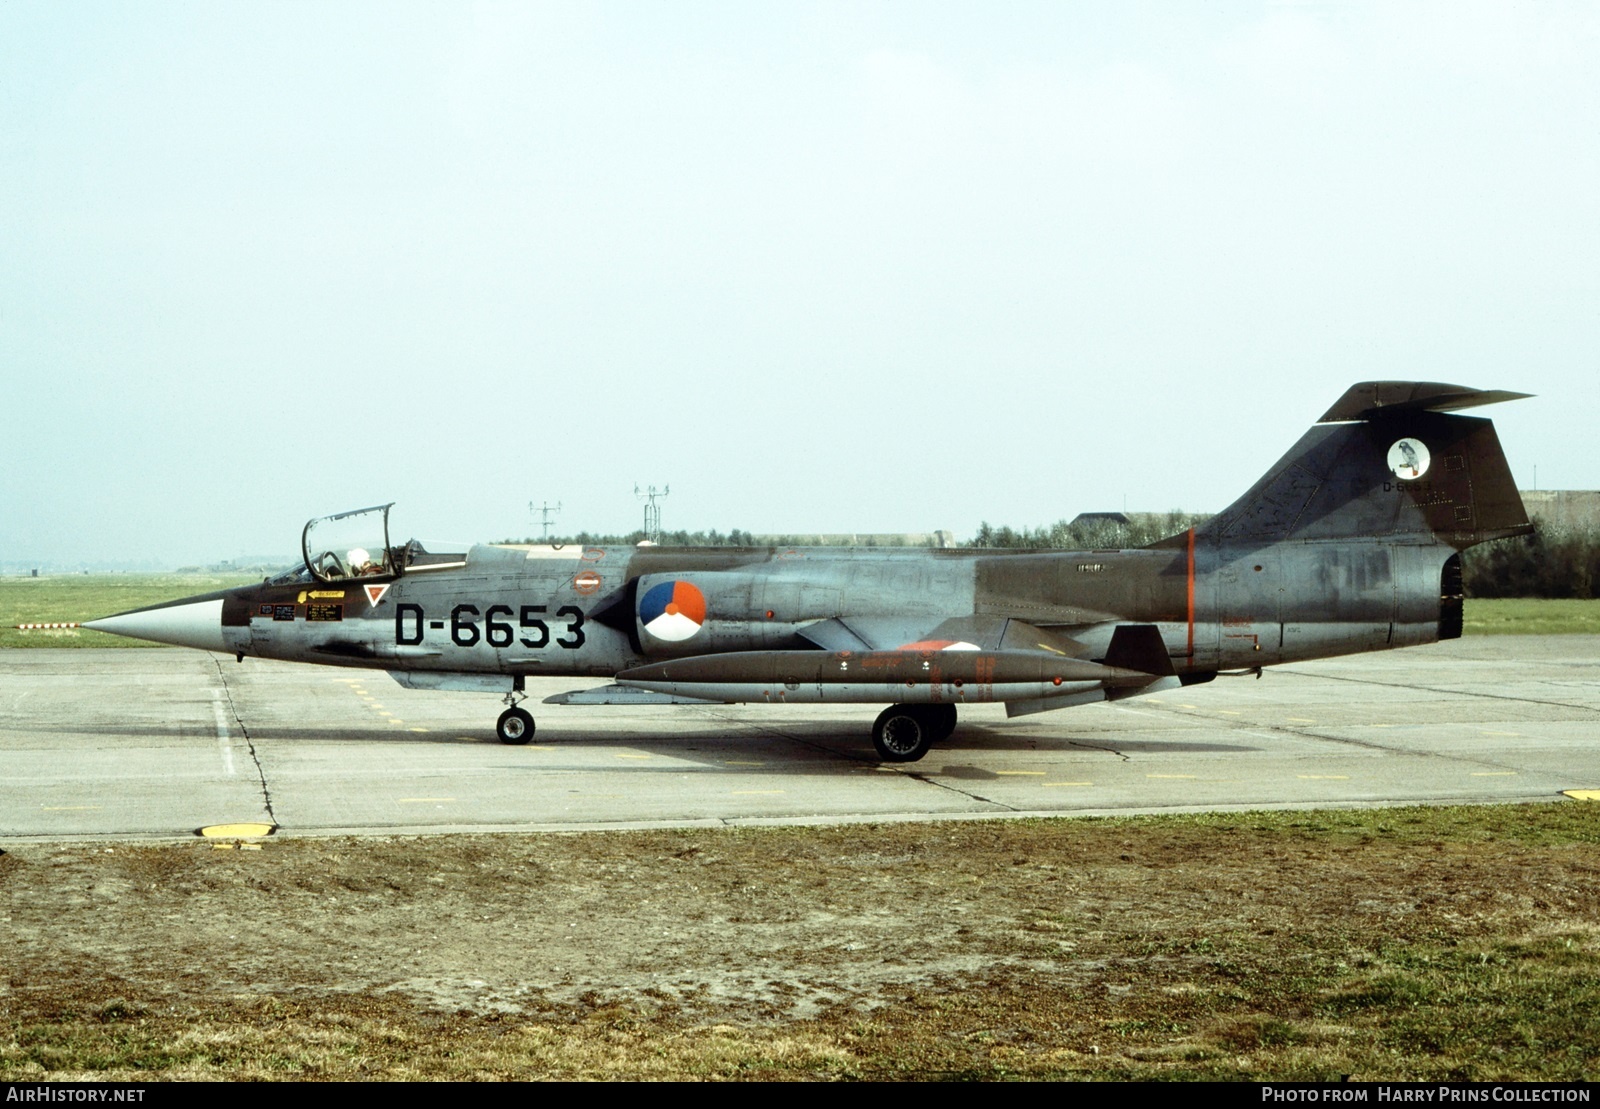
[1351, 542]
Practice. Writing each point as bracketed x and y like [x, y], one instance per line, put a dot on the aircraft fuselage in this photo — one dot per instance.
[544, 610]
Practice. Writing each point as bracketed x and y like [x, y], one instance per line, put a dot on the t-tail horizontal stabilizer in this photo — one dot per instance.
[1372, 399]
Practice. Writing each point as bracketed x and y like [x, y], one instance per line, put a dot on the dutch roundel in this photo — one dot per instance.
[673, 610]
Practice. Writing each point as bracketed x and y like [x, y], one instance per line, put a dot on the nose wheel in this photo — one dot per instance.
[515, 727]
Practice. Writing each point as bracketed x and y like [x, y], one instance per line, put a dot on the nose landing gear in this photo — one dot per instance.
[515, 725]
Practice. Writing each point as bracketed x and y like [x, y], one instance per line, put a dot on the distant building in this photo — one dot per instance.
[1564, 509]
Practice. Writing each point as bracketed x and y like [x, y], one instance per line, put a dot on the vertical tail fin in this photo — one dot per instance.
[1388, 460]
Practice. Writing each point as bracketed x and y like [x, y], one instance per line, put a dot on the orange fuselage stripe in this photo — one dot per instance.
[1191, 592]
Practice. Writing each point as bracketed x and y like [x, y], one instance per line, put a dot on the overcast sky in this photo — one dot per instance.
[819, 267]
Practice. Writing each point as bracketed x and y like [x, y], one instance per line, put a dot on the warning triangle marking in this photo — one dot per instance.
[375, 594]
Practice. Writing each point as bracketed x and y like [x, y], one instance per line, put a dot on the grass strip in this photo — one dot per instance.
[1426, 944]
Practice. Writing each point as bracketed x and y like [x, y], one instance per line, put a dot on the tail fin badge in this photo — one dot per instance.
[1409, 459]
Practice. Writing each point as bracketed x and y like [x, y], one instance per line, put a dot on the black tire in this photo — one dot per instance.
[514, 727]
[940, 720]
[901, 734]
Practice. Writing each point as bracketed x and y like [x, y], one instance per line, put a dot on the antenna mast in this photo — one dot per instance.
[546, 512]
[652, 510]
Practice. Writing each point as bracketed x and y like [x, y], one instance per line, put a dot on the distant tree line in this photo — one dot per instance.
[1552, 562]
[713, 538]
[1078, 534]
[1094, 533]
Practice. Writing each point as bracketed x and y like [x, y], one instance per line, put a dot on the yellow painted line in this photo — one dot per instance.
[70, 808]
[1228, 712]
[416, 729]
[236, 831]
[754, 792]
[739, 762]
[633, 756]
[1066, 783]
[1183, 706]
[1300, 720]
[382, 711]
[1323, 777]
[1583, 794]
[1494, 774]
[1019, 773]
[395, 723]
[423, 800]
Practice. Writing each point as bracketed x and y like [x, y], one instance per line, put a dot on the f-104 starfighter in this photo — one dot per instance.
[1351, 542]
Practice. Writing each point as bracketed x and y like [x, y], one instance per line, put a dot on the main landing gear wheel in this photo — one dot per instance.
[903, 733]
[514, 726]
[941, 718]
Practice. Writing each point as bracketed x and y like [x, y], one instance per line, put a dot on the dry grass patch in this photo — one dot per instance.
[1422, 943]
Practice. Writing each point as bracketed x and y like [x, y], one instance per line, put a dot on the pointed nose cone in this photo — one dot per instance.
[182, 623]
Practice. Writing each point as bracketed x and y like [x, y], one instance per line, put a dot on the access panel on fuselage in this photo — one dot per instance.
[1338, 598]
[1249, 597]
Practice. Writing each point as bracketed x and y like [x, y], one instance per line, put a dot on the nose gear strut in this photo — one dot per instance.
[515, 725]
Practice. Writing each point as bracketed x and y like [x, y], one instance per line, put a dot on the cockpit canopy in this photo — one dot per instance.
[352, 544]
[355, 544]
